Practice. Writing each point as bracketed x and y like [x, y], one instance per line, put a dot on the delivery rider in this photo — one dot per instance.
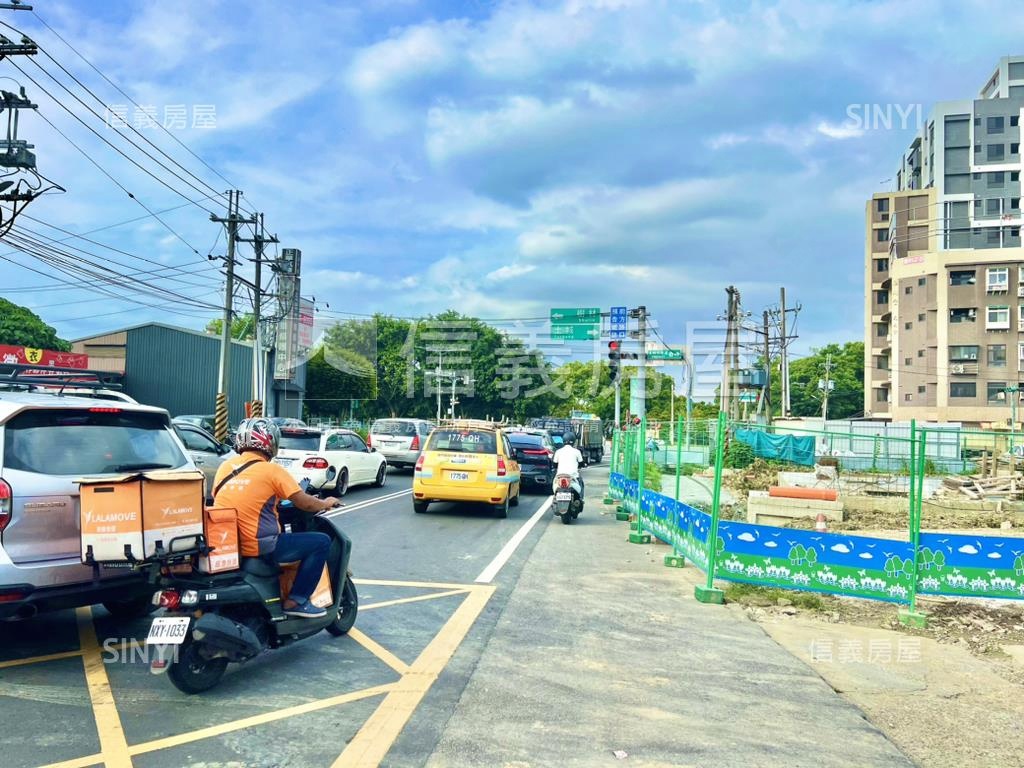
[253, 485]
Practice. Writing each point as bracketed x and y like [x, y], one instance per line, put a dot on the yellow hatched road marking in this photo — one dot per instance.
[416, 584]
[375, 738]
[113, 745]
[39, 659]
[379, 651]
[416, 599]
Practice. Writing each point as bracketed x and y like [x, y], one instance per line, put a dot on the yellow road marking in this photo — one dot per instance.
[78, 762]
[417, 584]
[113, 746]
[39, 659]
[379, 651]
[416, 599]
[377, 735]
[268, 717]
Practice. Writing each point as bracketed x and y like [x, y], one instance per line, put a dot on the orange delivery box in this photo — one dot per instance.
[220, 527]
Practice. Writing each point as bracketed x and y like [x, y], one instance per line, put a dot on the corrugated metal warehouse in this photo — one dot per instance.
[176, 368]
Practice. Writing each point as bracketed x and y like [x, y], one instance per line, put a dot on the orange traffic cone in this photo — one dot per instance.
[819, 522]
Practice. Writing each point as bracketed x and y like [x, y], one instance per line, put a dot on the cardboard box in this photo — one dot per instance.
[172, 506]
[110, 510]
[220, 527]
[322, 597]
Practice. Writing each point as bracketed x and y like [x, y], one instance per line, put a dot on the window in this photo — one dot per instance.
[1014, 203]
[882, 265]
[997, 278]
[998, 318]
[992, 236]
[1020, 316]
[908, 290]
[962, 277]
[995, 124]
[195, 440]
[1014, 175]
[299, 440]
[336, 442]
[355, 443]
[996, 179]
[908, 397]
[880, 396]
[995, 391]
[995, 152]
[920, 317]
[963, 352]
[1015, 148]
[977, 149]
[992, 206]
[977, 122]
[922, 389]
[922, 281]
[881, 235]
[459, 441]
[1020, 350]
[907, 326]
[881, 329]
[920, 353]
[882, 205]
[997, 355]
[881, 297]
[1014, 119]
[963, 389]
[963, 315]
[907, 361]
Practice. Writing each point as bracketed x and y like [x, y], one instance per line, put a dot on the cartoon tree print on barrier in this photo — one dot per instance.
[908, 568]
[797, 554]
[893, 566]
[720, 545]
[812, 556]
[925, 558]
[938, 560]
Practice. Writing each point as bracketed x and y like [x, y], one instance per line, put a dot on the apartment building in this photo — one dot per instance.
[944, 266]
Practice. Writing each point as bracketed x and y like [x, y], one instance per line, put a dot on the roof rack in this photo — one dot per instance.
[16, 375]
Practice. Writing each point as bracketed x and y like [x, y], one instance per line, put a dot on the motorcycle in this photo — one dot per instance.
[213, 620]
[568, 501]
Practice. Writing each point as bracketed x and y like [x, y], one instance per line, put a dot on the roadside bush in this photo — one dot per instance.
[738, 455]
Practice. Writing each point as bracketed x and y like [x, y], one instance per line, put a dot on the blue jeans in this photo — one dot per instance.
[311, 549]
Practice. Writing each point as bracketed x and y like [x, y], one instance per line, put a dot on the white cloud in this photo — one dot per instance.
[511, 271]
[968, 549]
[412, 53]
[840, 131]
[841, 548]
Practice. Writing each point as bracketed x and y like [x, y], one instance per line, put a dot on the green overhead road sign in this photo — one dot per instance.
[576, 315]
[665, 354]
[575, 332]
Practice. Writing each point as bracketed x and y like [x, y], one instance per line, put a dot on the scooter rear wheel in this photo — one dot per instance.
[191, 673]
[567, 518]
[347, 612]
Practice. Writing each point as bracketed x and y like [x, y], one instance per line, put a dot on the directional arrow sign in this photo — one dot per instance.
[575, 332]
[665, 354]
[581, 315]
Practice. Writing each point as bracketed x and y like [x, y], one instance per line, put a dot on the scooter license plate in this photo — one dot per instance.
[168, 630]
[563, 496]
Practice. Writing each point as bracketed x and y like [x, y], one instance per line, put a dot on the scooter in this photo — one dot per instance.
[568, 502]
[213, 620]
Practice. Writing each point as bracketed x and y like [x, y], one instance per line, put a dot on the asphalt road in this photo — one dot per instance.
[431, 588]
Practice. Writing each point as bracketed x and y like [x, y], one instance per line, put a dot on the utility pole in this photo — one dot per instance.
[730, 387]
[767, 399]
[784, 361]
[437, 381]
[259, 376]
[827, 386]
[638, 402]
[618, 402]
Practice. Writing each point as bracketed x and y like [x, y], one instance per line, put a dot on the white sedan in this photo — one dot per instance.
[310, 453]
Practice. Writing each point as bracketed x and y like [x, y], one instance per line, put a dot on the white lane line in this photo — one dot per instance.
[369, 503]
[488, 574]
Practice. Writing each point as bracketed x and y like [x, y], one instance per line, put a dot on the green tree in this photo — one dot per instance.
[939, 560]
[797, 554]
[812, 556]
[1018, 565]
[329, 388]
[243, 327]
[925, 558]
[847, 396]
[21, 327]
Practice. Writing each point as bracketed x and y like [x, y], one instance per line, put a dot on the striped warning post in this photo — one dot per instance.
[220, 418]
[257, 408]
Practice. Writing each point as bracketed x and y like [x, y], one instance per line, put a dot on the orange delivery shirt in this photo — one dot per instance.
[253, 494]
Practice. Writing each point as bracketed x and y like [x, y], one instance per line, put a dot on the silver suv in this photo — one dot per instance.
[47, 441]
[400, 440]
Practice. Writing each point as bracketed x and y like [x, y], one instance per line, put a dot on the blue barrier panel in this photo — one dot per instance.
[971, 566]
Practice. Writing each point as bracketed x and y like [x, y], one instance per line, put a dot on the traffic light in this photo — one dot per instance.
[613, 359]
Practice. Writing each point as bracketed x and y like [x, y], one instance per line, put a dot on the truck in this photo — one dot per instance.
[586, 428]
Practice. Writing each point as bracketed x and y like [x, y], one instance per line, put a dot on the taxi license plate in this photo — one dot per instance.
[168, 630]
[563, 496]
[458, 475]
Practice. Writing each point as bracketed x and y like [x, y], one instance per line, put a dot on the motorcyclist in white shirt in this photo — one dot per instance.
[567, 462]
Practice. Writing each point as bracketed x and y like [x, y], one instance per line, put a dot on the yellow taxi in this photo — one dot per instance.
[469, 461]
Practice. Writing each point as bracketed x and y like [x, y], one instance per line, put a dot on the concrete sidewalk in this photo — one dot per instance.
[601, 648]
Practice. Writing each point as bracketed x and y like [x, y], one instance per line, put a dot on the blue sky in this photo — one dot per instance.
[501, 158]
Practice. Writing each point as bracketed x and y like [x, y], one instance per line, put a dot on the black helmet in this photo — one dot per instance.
[570, 439]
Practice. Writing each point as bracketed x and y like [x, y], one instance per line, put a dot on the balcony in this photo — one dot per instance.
[963, 368]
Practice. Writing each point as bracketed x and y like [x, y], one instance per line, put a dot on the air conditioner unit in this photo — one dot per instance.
[1020, 291]
[956, 368]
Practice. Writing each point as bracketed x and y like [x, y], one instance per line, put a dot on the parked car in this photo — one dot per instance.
[467, 461]
[206, 452]
[534, 450]
[47, 444]
[287, 421]
[310, 453]
[400, 440]
[203, 422]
